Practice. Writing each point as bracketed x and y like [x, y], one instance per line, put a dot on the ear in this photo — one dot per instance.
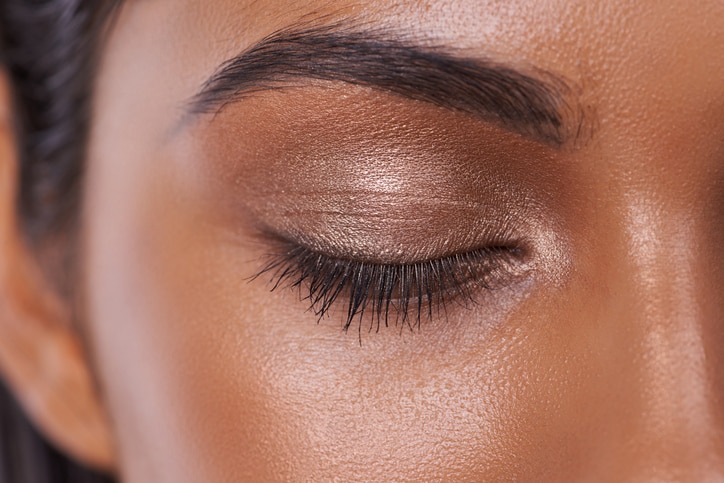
[41, 357]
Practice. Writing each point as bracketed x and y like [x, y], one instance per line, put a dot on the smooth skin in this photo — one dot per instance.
[603, 360]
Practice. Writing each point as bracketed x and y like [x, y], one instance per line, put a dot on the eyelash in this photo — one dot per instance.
[413, 291]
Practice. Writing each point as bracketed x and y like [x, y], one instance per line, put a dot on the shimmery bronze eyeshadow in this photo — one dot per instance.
[369, 175]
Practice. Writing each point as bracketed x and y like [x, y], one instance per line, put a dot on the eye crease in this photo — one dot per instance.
[386, 293]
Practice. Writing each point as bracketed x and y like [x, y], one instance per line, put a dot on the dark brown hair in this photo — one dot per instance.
[48, 50]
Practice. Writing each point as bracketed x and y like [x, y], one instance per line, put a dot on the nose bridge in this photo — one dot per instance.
[663, 310]
[665, 303]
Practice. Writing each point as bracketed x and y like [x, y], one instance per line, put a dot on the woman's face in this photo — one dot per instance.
[524, 201]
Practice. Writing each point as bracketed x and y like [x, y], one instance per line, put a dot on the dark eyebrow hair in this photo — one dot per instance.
[536, 107]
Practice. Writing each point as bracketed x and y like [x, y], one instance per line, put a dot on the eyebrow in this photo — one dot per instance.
[535, 106]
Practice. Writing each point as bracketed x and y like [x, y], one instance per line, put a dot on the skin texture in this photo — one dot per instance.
[600, 360]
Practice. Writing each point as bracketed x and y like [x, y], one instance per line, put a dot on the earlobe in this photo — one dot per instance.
[41, 356]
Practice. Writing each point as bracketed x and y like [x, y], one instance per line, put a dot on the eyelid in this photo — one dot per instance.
[411, 292]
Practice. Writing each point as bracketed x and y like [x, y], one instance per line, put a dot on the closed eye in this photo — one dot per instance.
[375, 295]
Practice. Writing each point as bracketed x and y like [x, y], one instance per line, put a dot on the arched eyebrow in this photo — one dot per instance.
[535, 105]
